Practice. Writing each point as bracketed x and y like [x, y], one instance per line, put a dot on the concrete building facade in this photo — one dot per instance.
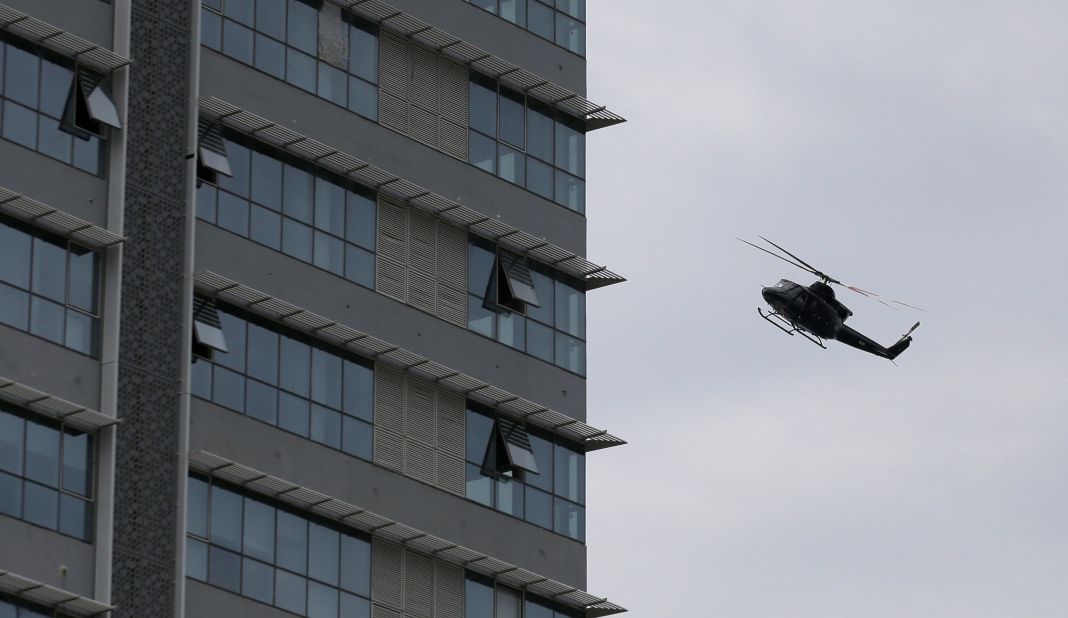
[292, 308]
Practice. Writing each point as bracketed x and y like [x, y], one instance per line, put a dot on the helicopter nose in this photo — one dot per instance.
[769, 295]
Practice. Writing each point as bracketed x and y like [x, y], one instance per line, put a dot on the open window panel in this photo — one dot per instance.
[511, 286]
[208, 336]
[211, 155]
[88, 108]
[509, 452]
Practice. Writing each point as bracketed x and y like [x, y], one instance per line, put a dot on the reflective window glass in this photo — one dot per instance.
[363, 52]
[40, 505]
[262, 402]
[224, 569]
[42, 453]
[359, 266]
[294, 414]
[10, 495]
[354, 607]
[479, 487]
[12, 432]
[233, 213]
[50, 269]
[299, 194]
[197, 508]
[357, 438]
[81, 333]
[323, 548]
[46, 319]
[237, 41]
[483, 105]
[259, 530]
[570, 309]
[570, 150]
[234, 331]
[540, 132]
[355, 565]
[270, 56]
[84, 278]
[196, 559]
[55, 84]
[359, 391]
[267, 181]
[241, 10]
[262, 354]
[510, 497]
[226, 518]
[21, 75]
[571, 353]
[569, 519]
[296, 366]
[290, 591]
[292, 542]
[15, 252]
[513, 118]
[539, 508]
[543, 456]
[271, 17]
[541, 19]
[265, 227]
[482, 152]
[329, 207]
[478, 597]
[322, 601]
[300, 70]
[478, 431]
[76, 463]
[329, 253]
[228, 389]
[363, 98]
[515, 11]
[297, 240]
[14, 307]
[302, 27]
[571, 33]
[360, 220]
[509, 603]
[257, 581]
[20, 124]
[74, 517]
[325, 426]
[52, 141]
[570, 475]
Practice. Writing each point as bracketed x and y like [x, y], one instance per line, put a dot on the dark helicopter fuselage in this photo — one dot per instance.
[813, 308]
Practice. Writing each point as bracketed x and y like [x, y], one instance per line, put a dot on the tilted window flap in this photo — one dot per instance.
[207, 328]
[88, 106]
[509, 449]
[516, 273]
[213, 151]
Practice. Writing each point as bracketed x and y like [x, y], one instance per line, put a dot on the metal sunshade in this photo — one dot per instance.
[45, 404]
[56, 221]
[60, 41]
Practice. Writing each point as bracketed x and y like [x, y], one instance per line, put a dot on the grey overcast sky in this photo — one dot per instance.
[916, 148]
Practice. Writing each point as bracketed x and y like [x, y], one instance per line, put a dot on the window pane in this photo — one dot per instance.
[510, 497]
[12, 430]
[329, 253]
[290, 591]
[479, 319]
[488, 5]
[21, 74]
[574, 8]
[571, 34]
[267, 181]
[259, 530]
[10, 495]
[271, 17]
[270, 56]
[241, 10]
[46, 319]
[201, 379]
[297, 240]
[233, 213]
[298, 194]
[570, 309]
[20, 124]
[300, 70]
[358, 439]
[266, 228]
[74, 517]
[329, 207]
[226, 518]
[570, 474]
[515, 11]
[482, 152]
[483, 105]
[543, 457]
[478, 431]
[196, 559]
[359, 266]
[81, 332]
[571, 354]
[354, 607]
[296, 366]
[87, 154]
[363, 52]
[292, 542]
[84, 279]
[333, 84]
[513, 118]
[50, 269]
[511, 330]
[55, 85]
[326, 426]
[508, 603]
[234, 331]
[40, 505]
[359, 391]
[237, 41]
[539, 508]
[197, 508]
[262, 354]
[228, 389]
[540, 132]
[478, 597]
[262, 402]
[540, 19]
[570, 150]
[51, 141]
[356, 565]
[544, 288]
[302, 27]
[257, 581]
[42, 453]
[322, 601]
[534, 609]
[511, 165]
[363, 98]
[224, 569]
[479, 486]
[569, 519]
[323, 547]
[211, 37]
[293, 414]
[15, 251]
[360, 220]
[479, 267]
[14, 307]
[77, 459]
[206, 202]
[326, 378]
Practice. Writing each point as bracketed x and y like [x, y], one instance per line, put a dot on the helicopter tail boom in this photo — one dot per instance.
[855, 339]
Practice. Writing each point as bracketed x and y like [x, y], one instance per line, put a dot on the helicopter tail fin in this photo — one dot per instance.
[902, 344]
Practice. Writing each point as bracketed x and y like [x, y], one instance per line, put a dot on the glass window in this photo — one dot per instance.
[509, 603]
[271, 17]
[480, 319]
[241, 10]
[12, 430]
[329, 253]
[76, 463]
[237, 41]
[15, 251]
[233, 213]
[196, 559]
[298, 194]
[292, 542]
[359, 266]
[333, 84]
[50, 269]
[482, 152]
[234, 331]
[574, 8]
[197, 508]
[510, 497]
[81, 333]
[569, 519]
[543, 457]
[265, 227]
[323, 547]
[513, 118]
[363, 52]
[21, 75]
[267, 181]
[83, 283]
[270, 56]
[325, 426]
[294, 414]
[570, 150]
[257, 581]
[40, 505]
[210, 37]
[224, 569]
[259, 530]
[87, 154]
[296, 366]
[515, 11]
[360, 220]
[539, 508]
[300, 70]
[14, 307]
[540, 19]
[262, 354]
[228, 389]
[356, 565]
[46, 320]
[358, 438]
[479, 486]
[571, 33]
[326, 378]
[20, 124]
[52, 141]
[483, 105]
[511, 165]
[478, 597]
[74, 517]
[42, 453]
[543, 287]
[262, 402]
[206, 202]
[486, 5]
[55, 85]
[291, 591]
[363, 98]
[570, 475]
[570, 309]
[302, 28]
[540, 132]
[297, 240]
[322, 601]
[359, 391]
[225, 518]
[535, 609]
[571, 353]
[10, 495]
[354, 607]
[479, 429]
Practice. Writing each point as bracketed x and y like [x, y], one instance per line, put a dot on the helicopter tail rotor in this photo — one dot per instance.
[902, 344]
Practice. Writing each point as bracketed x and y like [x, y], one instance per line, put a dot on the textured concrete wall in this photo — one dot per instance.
[147, 464]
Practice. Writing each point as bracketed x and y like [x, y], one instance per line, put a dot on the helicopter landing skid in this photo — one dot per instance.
[777, 321]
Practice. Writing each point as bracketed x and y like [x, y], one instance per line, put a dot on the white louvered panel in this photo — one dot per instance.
[450, 473]
[379, 611]
[448, 590]
[420, 412]
[393, 111]
[424, 85]
[451, 413]
[389, 398]
[392, 252]
[389, 449]
[422, 292]
[419, 461]
[452, 305]
[391, 279]
[422, 242]
[453, 80]
[452, 139]
[423, 126]
[387, 574]
[452, 256]
[394, 71]
[418, 585]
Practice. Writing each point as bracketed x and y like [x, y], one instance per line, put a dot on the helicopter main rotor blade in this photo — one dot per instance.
[772, 253]
[811, 268]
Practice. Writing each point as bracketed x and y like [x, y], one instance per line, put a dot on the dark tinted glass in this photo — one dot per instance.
[267, 181]
[323, 548]
[12, 430]
[76, 463]
[322, 601]
[196, 559]
[20, 124]
[40, 505]
[241, 10]
[513, 117]
[363, 52]
[42, 453]
[21, 75]
[224, 569]
[540, 141]
[233, 213]
[74, 517]
[50, 269]
[84, 278]
[326, 378]
[356, 565]
[363, 98]
[81, 332]
[292, 542]
[87, 154]
[354, 607]
[14, 307]
[295, 367]
[293, 414]
[482, 152]
[10, 495]
[265, 227]
[262, 354]
[479, 267]
[300, 70]
[543, 456]
[237, 41]
[262, 402]
[197, 508]
[360, 220]
[206, 202]
[534, 609]
[55, 85]
[226, 518]
[290, 591]
[299, 194]
[478, 598]
[257, 581]
[333, 84]
[359, 391]
[15, 252]
[483, 105]
[325, 426]
[210, 36]
[539, 508]
[259, 530]
[357, 438]
[52, 141]
[540, 19]
[228, 389]
[478, 431]
[270, 56]
[302, 29]
[359, 266]
[271, 17]
[297, 240]
[329, 253]
[46, 319]
[234, 330]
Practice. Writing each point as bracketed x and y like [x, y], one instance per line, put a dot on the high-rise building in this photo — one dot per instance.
[292, 308]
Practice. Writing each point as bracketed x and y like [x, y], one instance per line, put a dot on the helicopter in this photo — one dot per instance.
[815, 313]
